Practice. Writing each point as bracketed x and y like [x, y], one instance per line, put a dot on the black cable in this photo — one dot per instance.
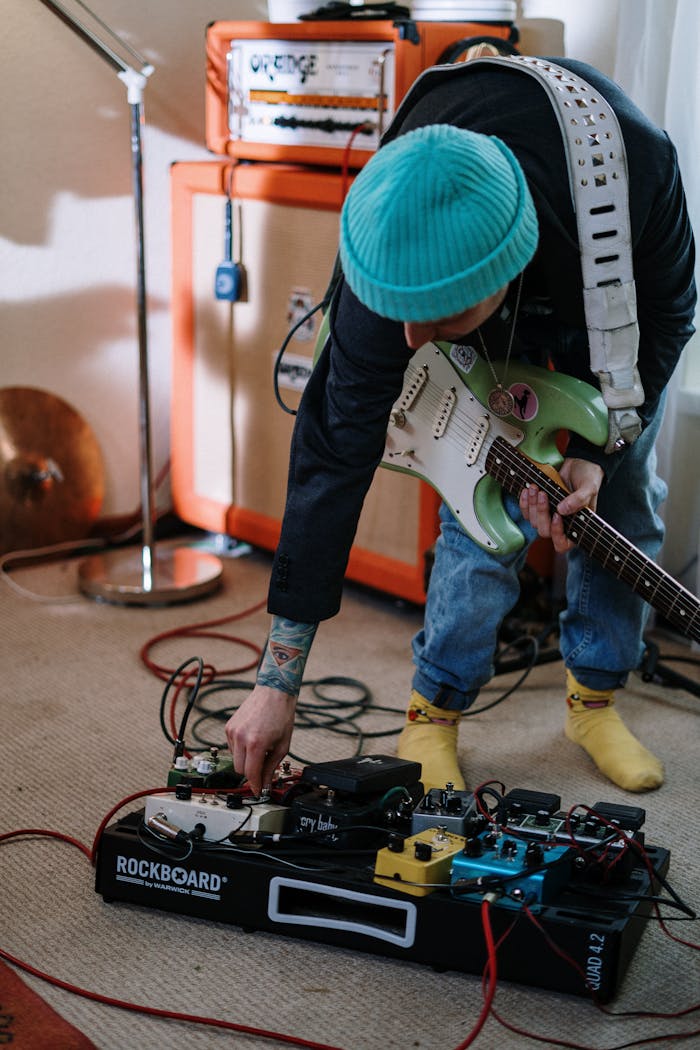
[585, 891]
[504, 696]
[179, 743]
[281, 352]
[337, 715]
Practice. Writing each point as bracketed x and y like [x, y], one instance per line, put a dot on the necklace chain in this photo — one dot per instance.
[511, 337]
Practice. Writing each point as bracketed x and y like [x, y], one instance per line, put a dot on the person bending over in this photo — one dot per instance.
[461, 228]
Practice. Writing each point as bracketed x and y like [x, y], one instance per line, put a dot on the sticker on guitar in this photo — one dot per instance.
[524, 403]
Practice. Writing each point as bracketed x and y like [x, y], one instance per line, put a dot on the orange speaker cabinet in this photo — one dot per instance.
[230, 438]
[300, 92]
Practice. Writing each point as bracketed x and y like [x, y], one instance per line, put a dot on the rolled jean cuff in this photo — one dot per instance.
[601, 681]
[444, 696]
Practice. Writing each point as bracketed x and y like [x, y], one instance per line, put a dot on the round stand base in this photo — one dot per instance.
[149, 576]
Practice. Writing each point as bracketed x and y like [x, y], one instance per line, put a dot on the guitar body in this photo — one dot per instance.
[441, 431]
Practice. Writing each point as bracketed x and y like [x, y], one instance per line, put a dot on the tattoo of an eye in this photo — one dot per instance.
[284, 657]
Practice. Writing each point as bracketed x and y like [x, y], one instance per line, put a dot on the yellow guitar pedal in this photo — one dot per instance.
[422, 862]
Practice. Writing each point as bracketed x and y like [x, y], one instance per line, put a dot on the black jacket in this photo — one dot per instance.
[341, 425]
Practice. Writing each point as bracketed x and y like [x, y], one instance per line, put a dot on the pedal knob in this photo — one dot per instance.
[423, 851]
[473, 848]
[183, 792]
[534, 855]
[395, 843]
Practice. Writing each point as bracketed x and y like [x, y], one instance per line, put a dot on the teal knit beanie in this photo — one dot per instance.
[437, 220]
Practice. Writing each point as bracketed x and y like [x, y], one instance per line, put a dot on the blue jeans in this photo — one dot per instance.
[471, 591]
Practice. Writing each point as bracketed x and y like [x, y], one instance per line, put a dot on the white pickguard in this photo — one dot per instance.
[440, 432]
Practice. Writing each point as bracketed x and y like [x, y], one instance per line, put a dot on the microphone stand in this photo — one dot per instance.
[148, 576]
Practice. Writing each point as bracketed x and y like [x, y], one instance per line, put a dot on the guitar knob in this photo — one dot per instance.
[398, 418]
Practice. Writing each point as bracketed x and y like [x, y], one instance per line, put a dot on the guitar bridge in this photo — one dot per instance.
[476, 441]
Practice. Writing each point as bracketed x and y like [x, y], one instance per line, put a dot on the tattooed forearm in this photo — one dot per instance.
[284, 657]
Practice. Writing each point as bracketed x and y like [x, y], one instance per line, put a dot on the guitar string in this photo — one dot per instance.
[594, 528]
[677, 600]
[634, 563]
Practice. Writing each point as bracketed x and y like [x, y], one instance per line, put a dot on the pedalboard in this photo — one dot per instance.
[399, 873]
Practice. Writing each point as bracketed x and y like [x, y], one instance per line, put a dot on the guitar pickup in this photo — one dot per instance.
[476, 440]
[447, 404]
[416, 383]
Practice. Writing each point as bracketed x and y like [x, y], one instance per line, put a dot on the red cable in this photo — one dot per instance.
[550, 1041]
[199, 630]
[123, 1004]
[155, 1011]
[346, 159]
[48, 834]
[489, 977]
[601, 1006]
[646, 860]
[480, 805]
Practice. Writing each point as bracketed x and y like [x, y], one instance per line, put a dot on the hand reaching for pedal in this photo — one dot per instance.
[258, 734]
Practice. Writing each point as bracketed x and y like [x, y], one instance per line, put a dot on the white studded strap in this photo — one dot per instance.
[597, 166]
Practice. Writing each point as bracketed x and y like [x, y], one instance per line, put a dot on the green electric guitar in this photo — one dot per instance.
[441, 431]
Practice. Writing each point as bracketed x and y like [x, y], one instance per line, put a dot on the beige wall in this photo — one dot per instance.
[67, 253]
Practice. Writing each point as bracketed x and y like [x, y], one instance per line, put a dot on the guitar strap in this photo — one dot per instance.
[597, 166]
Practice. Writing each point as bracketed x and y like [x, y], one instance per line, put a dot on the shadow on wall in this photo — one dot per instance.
[86, 319]
[68, 111]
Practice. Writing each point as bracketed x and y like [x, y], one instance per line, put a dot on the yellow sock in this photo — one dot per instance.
[430, 737]
[593, 723]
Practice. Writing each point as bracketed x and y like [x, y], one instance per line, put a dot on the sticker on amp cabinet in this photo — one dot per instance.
[294, 371]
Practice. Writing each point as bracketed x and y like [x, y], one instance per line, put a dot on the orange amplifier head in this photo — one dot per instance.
[318, 92]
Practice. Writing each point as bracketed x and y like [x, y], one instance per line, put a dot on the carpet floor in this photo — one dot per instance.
[81, 733]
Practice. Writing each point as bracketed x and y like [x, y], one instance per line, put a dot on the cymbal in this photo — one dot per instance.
[51, 471]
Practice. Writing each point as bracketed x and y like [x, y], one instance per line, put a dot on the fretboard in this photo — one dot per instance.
[586, 529]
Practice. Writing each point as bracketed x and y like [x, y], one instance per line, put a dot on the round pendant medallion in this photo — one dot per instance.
[501, 402]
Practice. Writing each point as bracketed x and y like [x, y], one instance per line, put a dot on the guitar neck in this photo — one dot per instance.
[586, 529]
